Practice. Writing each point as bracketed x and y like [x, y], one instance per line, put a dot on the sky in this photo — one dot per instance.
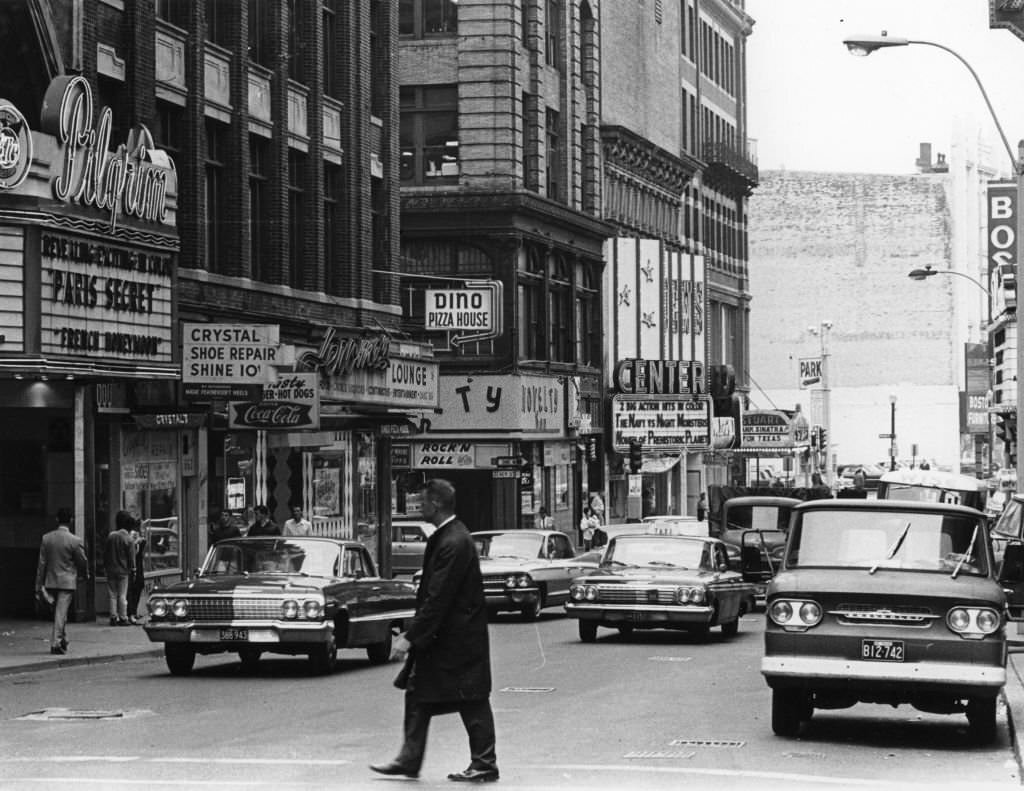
[813, 106]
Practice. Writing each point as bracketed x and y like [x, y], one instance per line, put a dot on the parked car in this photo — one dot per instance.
[872, 474]
[753, 529]
[408, 540]
[1009, 526]
[308, 596]
[660, 582]
[527, 570]
[886, 601]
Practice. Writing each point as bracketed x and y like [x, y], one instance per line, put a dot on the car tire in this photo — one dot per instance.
[731, 628]
[588, 631]
[981, 715]
[324, 658]
[180, 658]
[789, 707]
[531, 612]
[380, 653]
[250, 659]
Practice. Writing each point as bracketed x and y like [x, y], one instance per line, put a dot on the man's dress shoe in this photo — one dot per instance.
[475, 776]
[394, 768]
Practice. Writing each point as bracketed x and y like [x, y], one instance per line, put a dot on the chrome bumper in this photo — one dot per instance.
[632, 613]
[807, 669]
[313, 632]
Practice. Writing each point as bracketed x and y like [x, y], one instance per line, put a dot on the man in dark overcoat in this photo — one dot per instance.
[446, 646]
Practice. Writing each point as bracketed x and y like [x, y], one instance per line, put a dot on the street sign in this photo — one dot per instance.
[886, 436]
[508, 461]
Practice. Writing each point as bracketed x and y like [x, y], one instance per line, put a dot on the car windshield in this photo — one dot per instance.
[653, 551]
[509, 545]
[274, 556]
[878, 540]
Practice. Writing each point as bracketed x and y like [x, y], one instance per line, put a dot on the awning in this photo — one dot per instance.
[39, 367]
[657, 464]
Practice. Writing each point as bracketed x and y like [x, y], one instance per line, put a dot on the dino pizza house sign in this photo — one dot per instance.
[103, 272]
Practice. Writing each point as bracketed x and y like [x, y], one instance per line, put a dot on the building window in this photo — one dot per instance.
[429, 134]
[169, 118]
[551, 32]
[259, 244]
[531, 305]
[420, 18]
[560, 301]
[588, 340]
[173, 11]
[218, 17]
[296, 31]
[216, 243]
[554, 156]
[332, 189]
[296, 218]
[330, 36]
[259, 32]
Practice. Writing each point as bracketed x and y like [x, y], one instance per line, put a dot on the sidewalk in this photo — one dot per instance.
[25, 644]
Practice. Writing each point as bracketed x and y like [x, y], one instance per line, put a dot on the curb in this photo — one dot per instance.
[52, 664]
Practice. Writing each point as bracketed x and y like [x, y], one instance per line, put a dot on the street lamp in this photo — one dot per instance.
[892, 432]
[865, 45]
[924, 274]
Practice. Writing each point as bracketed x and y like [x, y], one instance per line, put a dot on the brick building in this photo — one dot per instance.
[273, 126]
[838, 247]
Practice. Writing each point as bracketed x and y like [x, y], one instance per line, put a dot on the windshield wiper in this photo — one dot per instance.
[967, 554]
[893, 549]
[516, 557]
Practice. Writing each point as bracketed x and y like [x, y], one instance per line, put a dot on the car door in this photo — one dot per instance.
[407, 543]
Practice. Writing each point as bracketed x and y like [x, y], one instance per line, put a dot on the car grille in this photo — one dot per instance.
[226, 608]
[495, 580]
[629, 594]
[870, 613]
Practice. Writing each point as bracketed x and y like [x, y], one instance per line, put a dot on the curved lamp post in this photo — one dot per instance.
[865, 45]
[924, 274]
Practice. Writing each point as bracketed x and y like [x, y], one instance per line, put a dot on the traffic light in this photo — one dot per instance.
[822, 438]
[636, 455]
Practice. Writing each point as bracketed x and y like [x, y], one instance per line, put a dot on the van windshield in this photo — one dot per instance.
[896, 540]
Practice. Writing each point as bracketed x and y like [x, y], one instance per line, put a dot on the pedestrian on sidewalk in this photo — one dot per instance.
[61, 560]
[119, 564]
[446, 646]
[298, 525]
[137, 583]
[262, 524]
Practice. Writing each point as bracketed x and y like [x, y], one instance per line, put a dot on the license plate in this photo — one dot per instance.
[229, 635]
[882, 650]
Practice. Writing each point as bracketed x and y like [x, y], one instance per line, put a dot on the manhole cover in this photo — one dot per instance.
[657, 754]
[705, 743]
[528, 689]
[84, 714]
[670, 658]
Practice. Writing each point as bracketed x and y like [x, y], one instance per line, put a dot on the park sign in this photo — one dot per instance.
[810, 372]
[229, 360]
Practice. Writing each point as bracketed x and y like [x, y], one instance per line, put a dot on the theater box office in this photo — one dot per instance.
[88, 249]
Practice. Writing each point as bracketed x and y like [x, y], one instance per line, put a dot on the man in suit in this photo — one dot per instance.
[61, 560]
[446, 646]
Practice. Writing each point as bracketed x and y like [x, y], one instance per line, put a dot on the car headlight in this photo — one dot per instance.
[795, 615]
[577, 592]
[518, 581]
[290, 609]
[691, 595]
[180, 608]
[312, 609]
[158, 608]
[590, 593]
[973, 623]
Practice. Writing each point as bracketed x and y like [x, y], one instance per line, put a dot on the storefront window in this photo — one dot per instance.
[149, 486]
[366, 516]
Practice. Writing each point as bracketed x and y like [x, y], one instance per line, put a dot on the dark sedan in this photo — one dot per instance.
[306, 596]
[660, 582]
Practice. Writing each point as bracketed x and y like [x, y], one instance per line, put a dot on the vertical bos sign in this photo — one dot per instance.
[1002, 239]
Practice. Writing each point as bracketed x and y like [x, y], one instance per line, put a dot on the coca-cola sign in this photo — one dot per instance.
[289, 403]
[271, 415]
